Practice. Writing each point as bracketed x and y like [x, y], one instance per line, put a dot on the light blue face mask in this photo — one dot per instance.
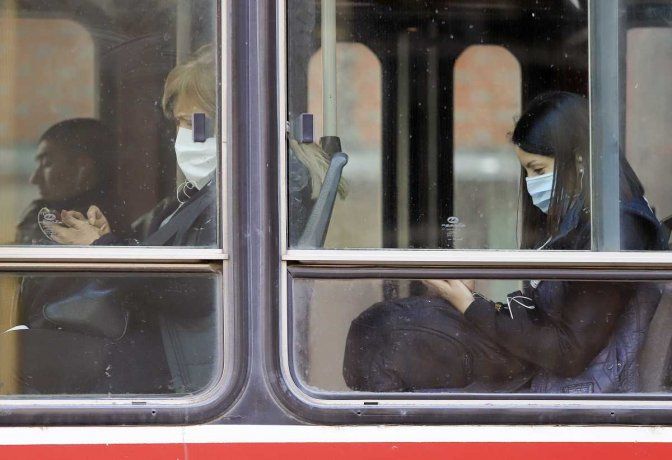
[540, 189]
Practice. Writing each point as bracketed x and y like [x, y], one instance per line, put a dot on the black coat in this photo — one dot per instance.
[572, 321]
[182, 309]
[575, 336]
[191, 224]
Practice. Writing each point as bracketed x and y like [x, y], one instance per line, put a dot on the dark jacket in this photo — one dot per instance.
[192, 223]
[583, 336]
[184, 310]
[169, 340]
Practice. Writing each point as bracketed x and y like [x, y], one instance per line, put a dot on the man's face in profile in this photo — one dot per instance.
[58, 174]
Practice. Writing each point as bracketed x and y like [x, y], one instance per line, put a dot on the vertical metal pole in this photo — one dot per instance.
[329, 67]
[183, 35]
[606, 47]
[432, 162]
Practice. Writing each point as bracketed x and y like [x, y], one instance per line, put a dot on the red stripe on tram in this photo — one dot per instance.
[341, 451]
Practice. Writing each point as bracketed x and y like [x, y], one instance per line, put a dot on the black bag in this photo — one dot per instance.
[423, 343]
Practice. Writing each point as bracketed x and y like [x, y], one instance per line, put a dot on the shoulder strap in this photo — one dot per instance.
[182, 220]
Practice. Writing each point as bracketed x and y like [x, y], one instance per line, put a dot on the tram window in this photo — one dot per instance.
[97, 110]
[359, 83]
[33, 99]
[535, 336]
[425, 181]
[110, 134]
[105, 335]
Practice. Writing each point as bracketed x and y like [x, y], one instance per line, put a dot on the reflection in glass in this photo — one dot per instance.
[82, 124]
[453, 78]
[359, 81]
[533, 336]
[107, 334]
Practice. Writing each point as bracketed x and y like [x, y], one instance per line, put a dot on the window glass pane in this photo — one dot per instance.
[560, 335]
[97, 103]
[359, 80]
[109, 334]
[424, 98]
[486, 103]
[649, 105]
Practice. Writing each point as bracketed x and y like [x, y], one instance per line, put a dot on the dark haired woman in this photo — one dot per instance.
[553, 336]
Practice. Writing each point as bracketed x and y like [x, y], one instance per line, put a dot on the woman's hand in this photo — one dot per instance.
[79, 230]
[457, 292]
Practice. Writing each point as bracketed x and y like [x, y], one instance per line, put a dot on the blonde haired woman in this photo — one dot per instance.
[184, 321]
[192, 88]
[190, 217]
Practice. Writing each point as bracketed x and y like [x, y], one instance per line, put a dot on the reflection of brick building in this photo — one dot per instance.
[47, 74]
[486, 97]
[359, 96]
[360, 127]
[50, 76]
[487, 101]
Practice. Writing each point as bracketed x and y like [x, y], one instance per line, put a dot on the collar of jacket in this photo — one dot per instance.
[570, 222]
[640, 207]
[637, 206]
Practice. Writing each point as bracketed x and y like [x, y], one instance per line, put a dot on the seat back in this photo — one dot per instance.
[318, 223]
[656, 355]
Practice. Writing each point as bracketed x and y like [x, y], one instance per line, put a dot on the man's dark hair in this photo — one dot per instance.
[85, 136]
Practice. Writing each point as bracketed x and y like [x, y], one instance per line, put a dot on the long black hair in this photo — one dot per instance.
[556, 124]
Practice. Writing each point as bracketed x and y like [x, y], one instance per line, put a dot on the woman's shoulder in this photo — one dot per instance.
[640, 228]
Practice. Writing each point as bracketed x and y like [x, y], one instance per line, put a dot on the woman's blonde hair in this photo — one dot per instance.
[316, 162]
[196, 78]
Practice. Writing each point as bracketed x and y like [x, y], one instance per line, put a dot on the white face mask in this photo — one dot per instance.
[540, 189]
[197, 160]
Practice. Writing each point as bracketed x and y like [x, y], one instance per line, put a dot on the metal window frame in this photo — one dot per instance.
[135, 409]
[430, 408]
[606, 52]
[220, 394]
[343, 398]
[364, 407]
